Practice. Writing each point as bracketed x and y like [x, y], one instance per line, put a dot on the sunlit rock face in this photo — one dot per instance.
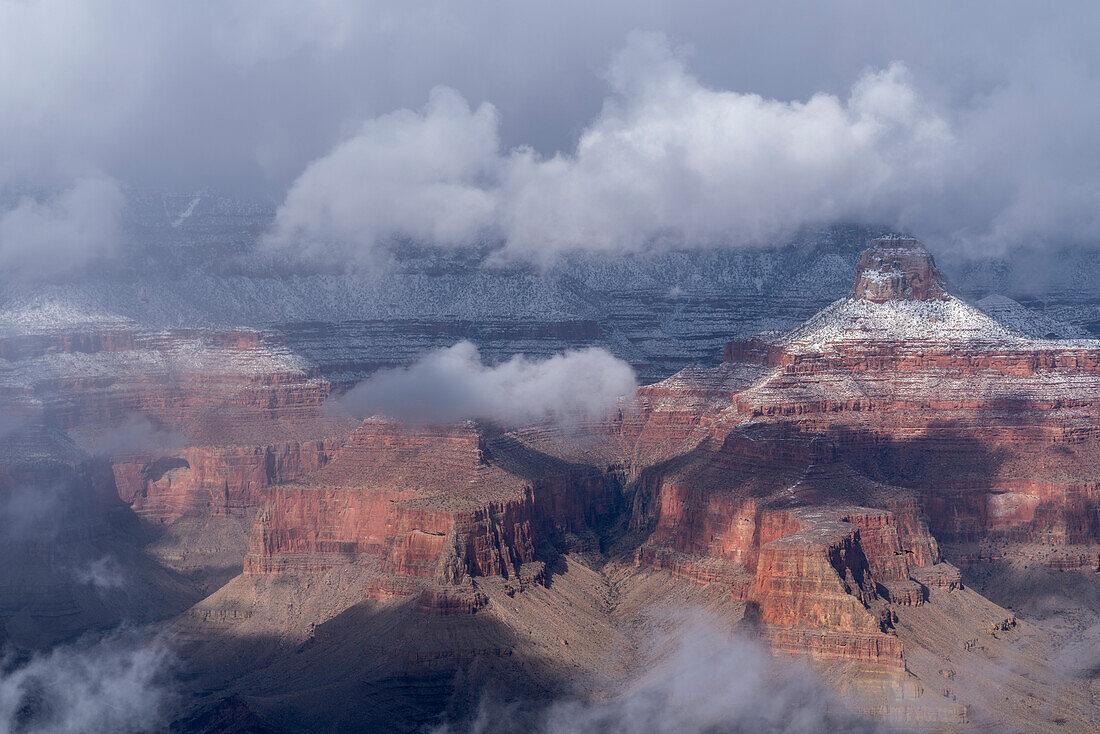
[829, 459]
[420, 510]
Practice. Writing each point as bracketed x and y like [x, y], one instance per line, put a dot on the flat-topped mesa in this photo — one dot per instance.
[898, 268]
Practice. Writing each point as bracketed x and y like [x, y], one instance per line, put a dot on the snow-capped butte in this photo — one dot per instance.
[900, 297]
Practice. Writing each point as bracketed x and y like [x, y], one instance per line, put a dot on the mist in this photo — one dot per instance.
[104, 574]
[62, 233]
[135, 434]
[117, 682]
[711, 683]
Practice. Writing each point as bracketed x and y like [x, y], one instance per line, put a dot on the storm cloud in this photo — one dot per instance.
[554, 127]
[668, 163]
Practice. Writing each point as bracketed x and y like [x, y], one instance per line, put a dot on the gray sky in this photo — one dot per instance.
[243, 96]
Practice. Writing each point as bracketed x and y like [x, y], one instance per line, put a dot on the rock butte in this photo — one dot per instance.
[808, 489]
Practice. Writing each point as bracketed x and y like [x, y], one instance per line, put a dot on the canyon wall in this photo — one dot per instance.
[422, 510]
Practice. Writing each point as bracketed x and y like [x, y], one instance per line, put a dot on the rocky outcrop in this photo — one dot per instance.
[815, 591]
[440, 504]
[920, 415]
[193, 427]
[898, 267]
[216, 479]
[766, 512]
[205, 386]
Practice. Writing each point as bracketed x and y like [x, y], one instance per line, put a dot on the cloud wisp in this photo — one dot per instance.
[136, 434]
[119, 682]
[454, 384]
[63, 233]
[104, 574]
[32, 513]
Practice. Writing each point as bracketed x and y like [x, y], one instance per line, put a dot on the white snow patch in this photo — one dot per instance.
[911, 323]
[188, 211]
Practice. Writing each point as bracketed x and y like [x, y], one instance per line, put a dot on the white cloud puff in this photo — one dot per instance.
[453, 384]
[672, 162]
[668, 162]
[404, 175]
[117, 683]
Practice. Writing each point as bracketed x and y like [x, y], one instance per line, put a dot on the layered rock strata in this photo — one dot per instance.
[922, 380]
[901, 402]
[425, 510]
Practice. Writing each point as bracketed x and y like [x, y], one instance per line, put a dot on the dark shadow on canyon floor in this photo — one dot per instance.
[370, 668]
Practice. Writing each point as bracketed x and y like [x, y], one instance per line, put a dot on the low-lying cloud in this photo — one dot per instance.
[104, 574]
[136, 434]
[453, 384]
[61, 234]
[119, 683]
[712, 683]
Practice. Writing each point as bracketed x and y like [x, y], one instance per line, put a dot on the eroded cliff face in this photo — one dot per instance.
[222, 480]
[425, 510]
[194, 426]
[817, 551]
[995, 431]
[815, 489]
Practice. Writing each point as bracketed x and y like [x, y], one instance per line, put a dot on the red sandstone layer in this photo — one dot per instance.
[440, 504]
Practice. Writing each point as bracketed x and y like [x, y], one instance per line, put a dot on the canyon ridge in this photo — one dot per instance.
[898, 496]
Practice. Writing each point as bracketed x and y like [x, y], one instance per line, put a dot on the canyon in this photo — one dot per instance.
[893, 492]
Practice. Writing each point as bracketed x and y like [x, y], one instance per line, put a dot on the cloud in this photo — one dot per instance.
[135, 435]
[104, 574]
[32, 513]
[405, 175]
[453, 384]
[63, 233]
[119, 683]
[240, 96]
[669, 162]
[712, 683]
